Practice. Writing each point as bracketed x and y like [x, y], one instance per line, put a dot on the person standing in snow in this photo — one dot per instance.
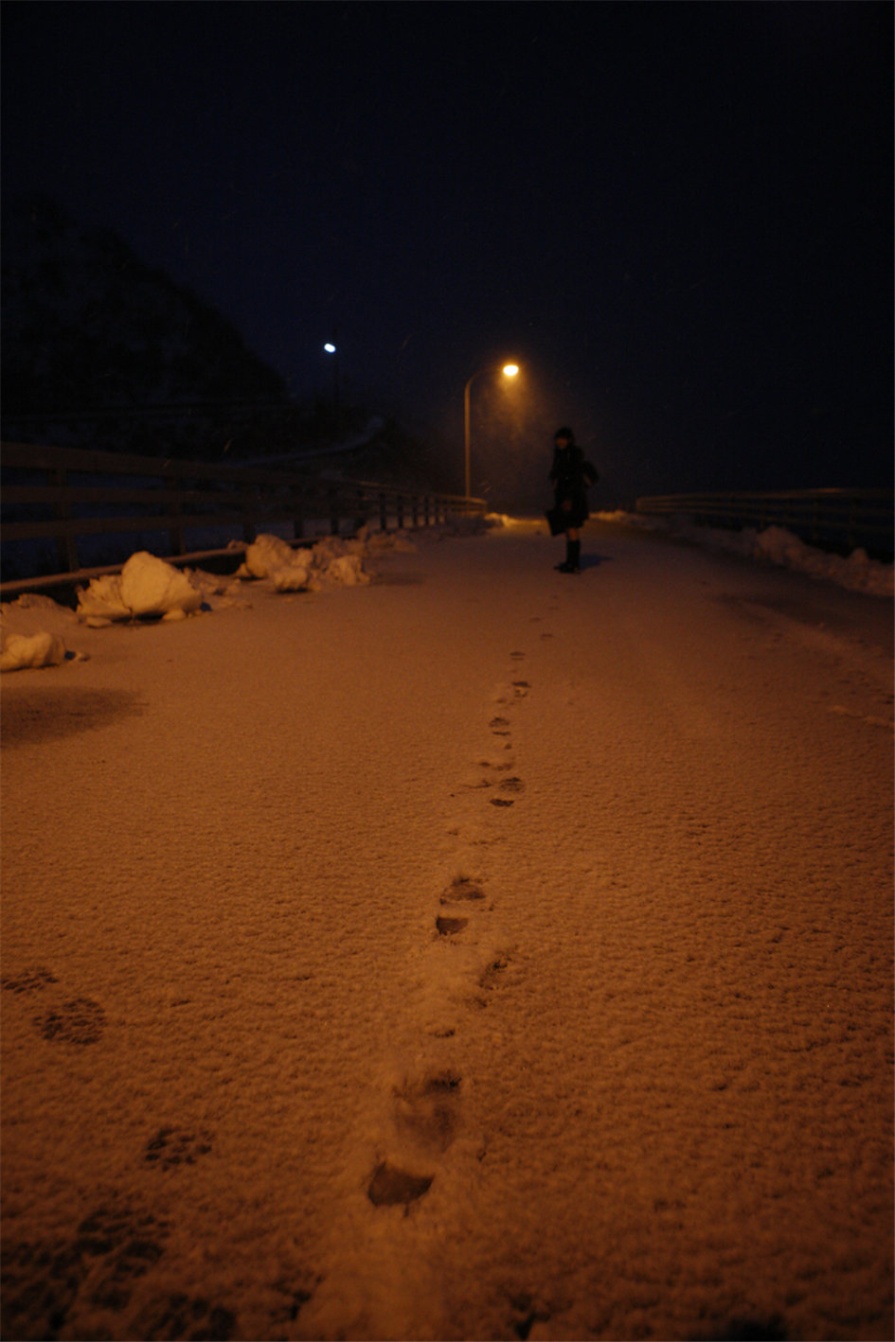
[570, 475]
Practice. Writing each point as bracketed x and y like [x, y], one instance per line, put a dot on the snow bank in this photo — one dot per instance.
[33, 630]
[858, 572]
[151, 588]
[146, 587]
[34, 627]
[21, 651]
[271, 557]
[331, 560]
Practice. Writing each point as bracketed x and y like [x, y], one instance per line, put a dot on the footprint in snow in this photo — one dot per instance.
[492, 974]
[176, 1146]
[449, 927]
[179, 1315]
[427, 1111]
[392, 1187]
[80, 1021]
[462, 889]
[53, 1287]
[526, 1315]
[489, 979]
[28, 981]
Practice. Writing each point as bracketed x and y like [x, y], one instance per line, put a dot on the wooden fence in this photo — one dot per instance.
[66, 495]
[837, 517]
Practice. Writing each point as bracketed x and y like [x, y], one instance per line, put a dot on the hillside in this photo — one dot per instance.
[95, 342]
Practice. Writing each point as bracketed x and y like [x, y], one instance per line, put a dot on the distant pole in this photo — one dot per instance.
[466, 489]
[508, 370]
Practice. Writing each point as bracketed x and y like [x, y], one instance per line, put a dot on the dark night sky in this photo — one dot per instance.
[676, 216]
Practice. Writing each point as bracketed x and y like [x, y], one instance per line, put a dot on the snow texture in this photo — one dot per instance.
[151, 588]
[776, 545]
[481, 953]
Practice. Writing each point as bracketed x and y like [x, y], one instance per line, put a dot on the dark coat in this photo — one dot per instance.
[570, 476]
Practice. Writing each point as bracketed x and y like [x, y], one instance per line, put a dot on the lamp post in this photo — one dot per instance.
[508, 370]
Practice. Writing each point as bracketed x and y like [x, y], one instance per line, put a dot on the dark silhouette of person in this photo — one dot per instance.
[570, 475]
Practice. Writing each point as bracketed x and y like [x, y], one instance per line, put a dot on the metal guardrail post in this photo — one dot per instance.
[66, 545]
[175, 533]
[298, 511]
[383, 511]
[399, 508]
[247, 495]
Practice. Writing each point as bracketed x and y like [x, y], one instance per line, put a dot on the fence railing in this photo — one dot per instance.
[65, 496]
[848, 517]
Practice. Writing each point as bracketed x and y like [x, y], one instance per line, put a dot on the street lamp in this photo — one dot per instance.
[508, 370]
[331, 348]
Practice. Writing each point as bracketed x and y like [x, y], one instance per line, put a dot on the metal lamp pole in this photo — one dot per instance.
[508, 370]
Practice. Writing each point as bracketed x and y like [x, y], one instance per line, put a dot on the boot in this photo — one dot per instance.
[573, 558]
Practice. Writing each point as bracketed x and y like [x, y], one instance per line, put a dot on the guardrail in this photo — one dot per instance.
[65, 495]
[849, 517]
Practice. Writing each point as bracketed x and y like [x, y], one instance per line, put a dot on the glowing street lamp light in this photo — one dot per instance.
[331, 348]
[508, 370]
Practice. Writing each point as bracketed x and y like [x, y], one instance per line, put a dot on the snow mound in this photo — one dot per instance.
[23, 651]
[331, 559]
[101, 601]
[775, 545]
[293, 577]
[34, 631]
[347, 570]
[151, 586]
[857, 571]
[146, 587]
[217, 591]
[264, 556]
[378, 541]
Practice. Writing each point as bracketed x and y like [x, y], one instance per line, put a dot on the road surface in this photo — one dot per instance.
[484, 953]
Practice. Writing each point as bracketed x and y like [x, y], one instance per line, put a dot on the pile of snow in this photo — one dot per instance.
[145, 587]
[271, 557]
[21, 651]
[33, 631]
[375, 542]
[300, 570]
[332, 560]
[34, 628]
[858, 572]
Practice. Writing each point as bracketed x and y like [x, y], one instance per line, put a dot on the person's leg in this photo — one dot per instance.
[573, 549]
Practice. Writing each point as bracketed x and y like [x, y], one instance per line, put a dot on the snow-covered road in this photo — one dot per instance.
[484, 953]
